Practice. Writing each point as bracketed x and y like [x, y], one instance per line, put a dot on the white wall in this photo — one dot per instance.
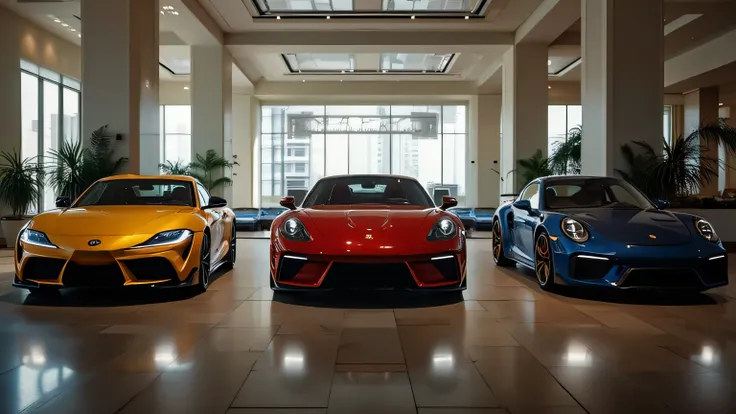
[173, 93]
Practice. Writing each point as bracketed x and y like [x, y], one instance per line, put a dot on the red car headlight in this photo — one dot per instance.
[293, 229]
[443, 229]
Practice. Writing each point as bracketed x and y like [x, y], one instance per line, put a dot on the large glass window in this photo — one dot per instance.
[667, 123]
[50, 114]
[560, 119]
[301, 144]
[176, 133]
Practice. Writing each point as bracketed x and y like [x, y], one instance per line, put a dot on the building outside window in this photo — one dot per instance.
[301, 144]
[50, 115]
[667, 123]
[176, 133]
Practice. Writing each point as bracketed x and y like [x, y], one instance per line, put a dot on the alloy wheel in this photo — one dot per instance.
[543, 259]
[496, 241]
[233, 246]
[204, 262]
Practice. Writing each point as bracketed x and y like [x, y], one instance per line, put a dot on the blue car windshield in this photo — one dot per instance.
[566, 193]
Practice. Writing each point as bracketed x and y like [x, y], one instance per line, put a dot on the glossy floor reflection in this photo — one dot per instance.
[503, 346]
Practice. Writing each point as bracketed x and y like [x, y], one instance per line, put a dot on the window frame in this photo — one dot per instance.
[61, 82]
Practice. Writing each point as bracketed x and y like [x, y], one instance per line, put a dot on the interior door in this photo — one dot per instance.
[525, 222]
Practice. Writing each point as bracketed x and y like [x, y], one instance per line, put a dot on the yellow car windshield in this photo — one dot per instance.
[140, 192]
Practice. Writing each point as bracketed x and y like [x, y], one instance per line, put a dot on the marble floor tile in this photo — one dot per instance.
[371, 392]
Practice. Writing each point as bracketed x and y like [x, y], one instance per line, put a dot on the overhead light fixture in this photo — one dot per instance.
[304, 80]
[342, 71]
[278, 17]
[384, 71]
[65, 25]
[720, 103]
[424, 71]
[549, 62]
[73, 29]
[340, 80]
[549, 87]
[186, 88]
[57, 20]
[328, 17]
[351, 70]
[467, 17]
[169, 10]
[413, 17]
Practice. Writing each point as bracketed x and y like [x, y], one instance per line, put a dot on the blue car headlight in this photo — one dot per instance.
[443, 229]
[706, 230]
[165, 238]
[293, 229]
[574, 230]
[36, 238]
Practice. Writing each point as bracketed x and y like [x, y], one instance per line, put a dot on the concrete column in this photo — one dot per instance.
[622, 80]
[212, 105]
[701, 107]
[120, 77]
[525, 90]
[484, 151]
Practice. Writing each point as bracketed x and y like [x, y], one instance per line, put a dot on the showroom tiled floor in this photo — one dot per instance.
[237, 349]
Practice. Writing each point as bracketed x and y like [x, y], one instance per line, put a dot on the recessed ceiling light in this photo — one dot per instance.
[384, 71]
[304, 80]
[79, 34]
[65, 25]
[549, 87]
[162, 12]
[720, 103]
[186, 87]
[57, 20]
[467, 17]
[342, 71]
[340, 80]
[278, 17]
[351, 70]
[73, 30]
[328, 17]
[549, 62]
[413, 17]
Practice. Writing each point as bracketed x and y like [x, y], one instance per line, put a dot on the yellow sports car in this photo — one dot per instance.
[128, 230]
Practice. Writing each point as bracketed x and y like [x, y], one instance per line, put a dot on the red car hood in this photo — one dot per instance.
[380, 229]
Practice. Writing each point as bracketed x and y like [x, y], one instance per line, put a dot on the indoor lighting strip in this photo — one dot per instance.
[717, 257]
[371, 16]
[286, 256]
[443, 257]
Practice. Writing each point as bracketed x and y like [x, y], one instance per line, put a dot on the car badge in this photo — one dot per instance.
[651, 236]
[369, 236]
[94, 242]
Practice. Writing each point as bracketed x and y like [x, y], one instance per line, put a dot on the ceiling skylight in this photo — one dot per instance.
[415, 62]
[375, 8]
[367, 63]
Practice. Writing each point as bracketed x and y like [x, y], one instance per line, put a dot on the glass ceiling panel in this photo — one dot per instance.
[430, 5]
[415, 62]
[320, 62]
[376, 6]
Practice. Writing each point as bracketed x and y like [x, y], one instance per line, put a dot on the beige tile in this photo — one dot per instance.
[370, 346]
[369, 319]
[277, 411]
[240, 339]
[379, 392]
[462, 411]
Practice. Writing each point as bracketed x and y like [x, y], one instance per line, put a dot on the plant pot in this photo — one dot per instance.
[11, 227]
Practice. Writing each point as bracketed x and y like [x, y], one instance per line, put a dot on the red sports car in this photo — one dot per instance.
[371, 232]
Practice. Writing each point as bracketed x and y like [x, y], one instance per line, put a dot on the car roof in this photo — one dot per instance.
[576, 177]
[150, 177]
[402, 177]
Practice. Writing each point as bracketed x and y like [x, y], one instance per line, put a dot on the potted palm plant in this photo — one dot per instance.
[74, 168]
[532, 168]
[204, 167]
[21, 186]
[565, 158]
[174, 168]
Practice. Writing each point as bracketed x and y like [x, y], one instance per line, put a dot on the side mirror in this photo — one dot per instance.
[662, 204]
[288, 202]
[448, 202]
[63, 202]
[215, 202]
[523, 205]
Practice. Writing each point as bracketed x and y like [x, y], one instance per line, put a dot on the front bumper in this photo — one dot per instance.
[643, 267]
[442, 271]
[163, 266]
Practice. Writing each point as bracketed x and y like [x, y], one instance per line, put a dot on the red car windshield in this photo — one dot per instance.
[367, 190]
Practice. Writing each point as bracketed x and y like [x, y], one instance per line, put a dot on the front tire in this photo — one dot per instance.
[498, 256]
[204, 264]
[543, 263]
[232, 251]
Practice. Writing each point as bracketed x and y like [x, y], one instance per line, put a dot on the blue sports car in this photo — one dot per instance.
[267, 215]
[484, 217]
[245, 218]
[600, 231]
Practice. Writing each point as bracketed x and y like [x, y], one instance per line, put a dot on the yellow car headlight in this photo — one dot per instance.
[165, 238]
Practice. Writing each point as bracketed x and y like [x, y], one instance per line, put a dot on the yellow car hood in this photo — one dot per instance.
[114, 220]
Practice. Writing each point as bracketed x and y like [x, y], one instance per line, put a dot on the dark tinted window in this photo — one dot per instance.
[359, 189]
[138, 193]
[593, 193]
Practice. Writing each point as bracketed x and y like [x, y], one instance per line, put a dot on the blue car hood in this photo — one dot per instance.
[636, 227]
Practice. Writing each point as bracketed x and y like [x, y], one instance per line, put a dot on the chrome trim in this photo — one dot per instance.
[443, 257]
[723, 256]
